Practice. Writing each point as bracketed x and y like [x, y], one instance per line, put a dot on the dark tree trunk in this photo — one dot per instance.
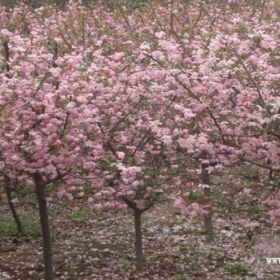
[43, 212]
[138, 239]
[12, 206]
[138, 242]
[208, 223]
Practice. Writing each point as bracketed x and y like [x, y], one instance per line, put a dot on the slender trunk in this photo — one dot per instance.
[110, 5]
[208, 223]
[12, 206]
[43, 212]
[138, 239]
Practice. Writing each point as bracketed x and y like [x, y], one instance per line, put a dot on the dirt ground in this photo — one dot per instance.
[99, 246]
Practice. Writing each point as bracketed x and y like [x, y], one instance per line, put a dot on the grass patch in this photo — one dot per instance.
[125, 264]
[252, 172]
[72, 270]
[79, 216]
[182, 276]
[237, 269]
[30, 225]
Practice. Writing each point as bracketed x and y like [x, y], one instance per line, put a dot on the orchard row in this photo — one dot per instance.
[123, 107]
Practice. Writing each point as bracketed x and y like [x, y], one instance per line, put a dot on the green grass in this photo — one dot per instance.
[8, 227]
[194, 197]
[252, 172]
[79, 216]
[182, 276]
[125, 264]
[72, 269]
[217, 197]
[28, 200]
[237, 269]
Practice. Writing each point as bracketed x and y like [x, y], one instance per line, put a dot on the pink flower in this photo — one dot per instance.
[76, 209]
[81, 194]
[15, 201]
[249, 224]
[144, 46]
[160, 34]
[121, 155]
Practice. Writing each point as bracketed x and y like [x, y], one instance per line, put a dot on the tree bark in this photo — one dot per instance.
[138, 242]
[208, 223]
[43, 212]
[12, 206]
[138, 239]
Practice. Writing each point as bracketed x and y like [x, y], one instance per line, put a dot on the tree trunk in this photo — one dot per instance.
[43, 212]
[12, 206]
[138, 239]
[208, 223]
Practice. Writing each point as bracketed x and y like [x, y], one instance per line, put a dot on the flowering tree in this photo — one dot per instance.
[225, 85]
[135, 141]
[41, 132]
